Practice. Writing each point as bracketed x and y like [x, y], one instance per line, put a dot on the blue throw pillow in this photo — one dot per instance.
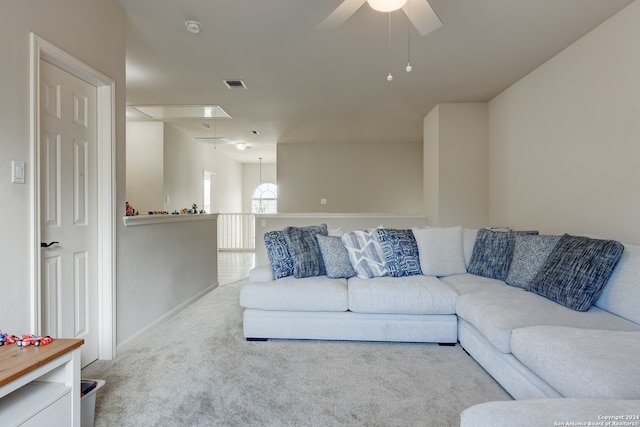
[400, 252]
[492, 253]
[278, 252]
[335, 257]
[305, 251]
[576, 271]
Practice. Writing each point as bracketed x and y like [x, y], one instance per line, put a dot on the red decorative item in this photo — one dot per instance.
[25, 340]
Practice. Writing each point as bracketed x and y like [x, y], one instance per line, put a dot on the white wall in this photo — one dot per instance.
[145, 166]
[565, 140]
[456, 165]
[97, 40]
[352, 177]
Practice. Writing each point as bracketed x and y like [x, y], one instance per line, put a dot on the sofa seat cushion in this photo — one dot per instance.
[548, 412]
[465, 283]
[498, 311]
[317, 293]
[401, 295]
[582, 362]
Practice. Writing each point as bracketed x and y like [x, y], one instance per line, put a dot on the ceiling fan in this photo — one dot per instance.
[419, 13]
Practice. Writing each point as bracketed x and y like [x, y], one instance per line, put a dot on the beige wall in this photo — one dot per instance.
[565, 140]
[97, 40]
[184, 163]
[167, 266]
[456, 165]
[251, 180]
[145, 166]
[431, 157]
[352, 177]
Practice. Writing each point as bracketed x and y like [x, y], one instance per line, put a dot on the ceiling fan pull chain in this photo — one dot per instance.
[389, 76]
[409, 67]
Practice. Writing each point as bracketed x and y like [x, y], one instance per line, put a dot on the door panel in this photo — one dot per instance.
[68, 171]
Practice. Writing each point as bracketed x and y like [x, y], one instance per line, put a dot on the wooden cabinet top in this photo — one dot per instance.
[16, 361]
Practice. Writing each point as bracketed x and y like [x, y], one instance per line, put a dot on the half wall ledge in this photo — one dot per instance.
[135, 220]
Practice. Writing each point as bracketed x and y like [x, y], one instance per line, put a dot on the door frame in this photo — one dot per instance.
[106, 154]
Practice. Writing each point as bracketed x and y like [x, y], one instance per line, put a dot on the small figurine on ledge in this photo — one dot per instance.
[130, 210]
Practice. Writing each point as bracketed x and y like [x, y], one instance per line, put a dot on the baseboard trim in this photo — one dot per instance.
[123, 346]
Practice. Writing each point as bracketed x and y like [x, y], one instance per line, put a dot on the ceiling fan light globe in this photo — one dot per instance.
[386, 5]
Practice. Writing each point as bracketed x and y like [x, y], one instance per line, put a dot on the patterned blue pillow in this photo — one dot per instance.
[492, 253]
[279, 256]
[335, 257]
[304, 250]
[400, 252]
[576, 271]
[365, 253]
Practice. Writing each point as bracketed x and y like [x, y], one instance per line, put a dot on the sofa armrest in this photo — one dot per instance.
[261, 273]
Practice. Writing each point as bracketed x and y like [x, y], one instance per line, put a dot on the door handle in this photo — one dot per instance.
[46, 245]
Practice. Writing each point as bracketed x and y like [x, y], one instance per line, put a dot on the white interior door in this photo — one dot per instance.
[68, 208]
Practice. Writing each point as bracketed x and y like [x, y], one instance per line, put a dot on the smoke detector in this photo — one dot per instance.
[193, 26]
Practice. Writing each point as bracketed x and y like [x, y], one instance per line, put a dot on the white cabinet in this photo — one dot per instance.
[40, 385]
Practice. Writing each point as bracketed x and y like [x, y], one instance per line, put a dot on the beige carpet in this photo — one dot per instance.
[197, 370]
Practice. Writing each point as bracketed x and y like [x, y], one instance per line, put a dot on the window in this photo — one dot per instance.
[265, 199]
[208, 185]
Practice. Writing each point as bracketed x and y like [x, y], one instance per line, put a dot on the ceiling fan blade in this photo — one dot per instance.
[341, 14]
[422, 16]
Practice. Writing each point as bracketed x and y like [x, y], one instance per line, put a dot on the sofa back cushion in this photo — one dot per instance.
[576, 271]
[305, 251]
[621, 294]
[469, 236]
[441, 250]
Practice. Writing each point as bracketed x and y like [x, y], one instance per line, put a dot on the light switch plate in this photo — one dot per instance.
[17, 172]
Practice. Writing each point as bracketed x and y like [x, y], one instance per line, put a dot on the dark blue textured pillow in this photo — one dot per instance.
[279, 256]
[305, 251]
[400, 252]
[492, 253]
[576, 271]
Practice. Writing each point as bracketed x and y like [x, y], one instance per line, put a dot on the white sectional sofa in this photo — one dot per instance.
[535, 347]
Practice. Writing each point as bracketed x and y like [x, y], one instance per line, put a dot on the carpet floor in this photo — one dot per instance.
[197, 370]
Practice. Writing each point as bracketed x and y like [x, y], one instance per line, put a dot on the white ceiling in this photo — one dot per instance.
[309, 85]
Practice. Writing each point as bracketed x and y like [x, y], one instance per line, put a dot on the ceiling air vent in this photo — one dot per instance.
[235, 84]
